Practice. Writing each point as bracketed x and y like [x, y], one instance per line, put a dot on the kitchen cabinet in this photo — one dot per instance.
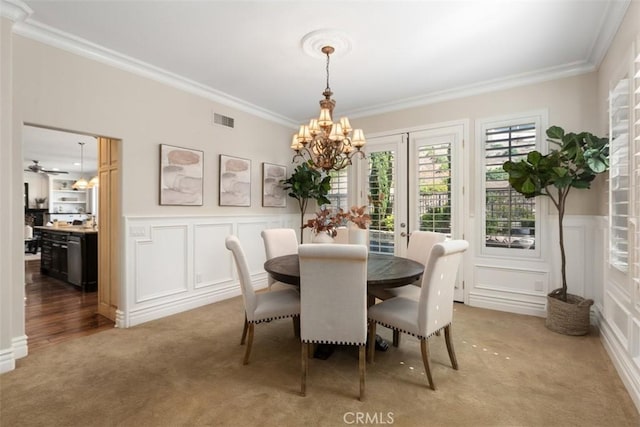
[63, 199]
[70, 254]
[53, 259]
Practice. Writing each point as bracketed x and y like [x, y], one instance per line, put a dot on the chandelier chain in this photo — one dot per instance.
[328, 88]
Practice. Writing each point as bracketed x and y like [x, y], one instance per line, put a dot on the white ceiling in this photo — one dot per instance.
[56, 149]
[402, 53]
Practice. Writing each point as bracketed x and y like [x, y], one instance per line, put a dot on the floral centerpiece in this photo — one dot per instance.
[325, 222]
[359, 217]
[328, 222]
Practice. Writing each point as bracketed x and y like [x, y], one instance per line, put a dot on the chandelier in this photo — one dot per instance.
[325, 144]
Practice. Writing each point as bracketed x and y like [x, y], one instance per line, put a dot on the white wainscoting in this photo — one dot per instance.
[619, 320]
[174, 264]
[521, 285]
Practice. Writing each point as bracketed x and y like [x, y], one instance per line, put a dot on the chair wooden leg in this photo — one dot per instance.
[362, 369]
[452, 354]
[296, 326]
[247, 351]
[305, 367]
[424, 347]
[396, 338]
[244, 330]
[372, 340]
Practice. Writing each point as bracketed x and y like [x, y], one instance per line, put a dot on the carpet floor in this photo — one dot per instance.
[186, 370]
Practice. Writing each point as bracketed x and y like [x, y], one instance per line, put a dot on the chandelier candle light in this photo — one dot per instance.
[326, 144]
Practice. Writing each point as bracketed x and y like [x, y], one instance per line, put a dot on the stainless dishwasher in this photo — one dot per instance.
[74, 260]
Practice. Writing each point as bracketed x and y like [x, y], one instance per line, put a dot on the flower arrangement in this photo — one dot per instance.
[327, 222]
[323, 222]
[359, 217]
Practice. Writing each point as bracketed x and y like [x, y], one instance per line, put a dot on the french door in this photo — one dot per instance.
[414, 181]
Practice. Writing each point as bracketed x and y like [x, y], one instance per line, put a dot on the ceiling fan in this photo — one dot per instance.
[35, 167]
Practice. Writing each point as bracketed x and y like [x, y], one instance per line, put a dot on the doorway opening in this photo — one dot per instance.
[62, 228]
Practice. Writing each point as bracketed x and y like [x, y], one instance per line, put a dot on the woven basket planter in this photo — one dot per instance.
[569, 318]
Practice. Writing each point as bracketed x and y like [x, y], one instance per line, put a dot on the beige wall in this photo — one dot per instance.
[63, 90]
[571, 102]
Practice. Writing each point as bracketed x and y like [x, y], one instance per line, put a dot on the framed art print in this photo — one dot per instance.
[181, 175]
[273, 195]
[235, 181]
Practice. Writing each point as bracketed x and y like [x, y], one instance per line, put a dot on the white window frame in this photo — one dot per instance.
[540, 119]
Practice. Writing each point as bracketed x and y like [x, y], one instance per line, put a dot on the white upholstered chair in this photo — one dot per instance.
[333, 294]
[279, 242]
[432, 312]
[264, 306]
[418, 249]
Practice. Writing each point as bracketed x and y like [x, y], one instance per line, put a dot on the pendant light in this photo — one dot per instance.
[81, 184]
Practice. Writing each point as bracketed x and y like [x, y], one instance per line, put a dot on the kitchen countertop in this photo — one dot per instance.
[67, 229]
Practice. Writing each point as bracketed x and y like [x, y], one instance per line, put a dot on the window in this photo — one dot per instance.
[338, 194]
[619, 174]
[510, 218]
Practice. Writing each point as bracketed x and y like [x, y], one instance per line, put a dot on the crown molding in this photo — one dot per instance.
[518, 80]
[15, 10]
[35, 30]
[20, 13]
[609, 26]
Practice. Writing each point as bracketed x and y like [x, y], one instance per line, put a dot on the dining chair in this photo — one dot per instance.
[279, 242]
[261, 307]
[333, 295]
[432, 312]
[418, 249]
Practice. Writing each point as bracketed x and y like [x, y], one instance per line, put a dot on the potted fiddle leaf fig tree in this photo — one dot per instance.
[307, 183]
[574, 162]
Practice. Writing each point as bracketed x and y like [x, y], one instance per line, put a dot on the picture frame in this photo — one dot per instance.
[235, 181]
[181, 176]
[273, 193]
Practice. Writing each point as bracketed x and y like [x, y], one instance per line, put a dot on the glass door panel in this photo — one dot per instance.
[386, 195]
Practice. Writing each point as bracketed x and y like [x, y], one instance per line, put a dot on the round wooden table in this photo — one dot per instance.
[383, 271]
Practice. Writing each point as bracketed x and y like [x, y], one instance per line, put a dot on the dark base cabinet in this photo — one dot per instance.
[53, 260]
[71, 257]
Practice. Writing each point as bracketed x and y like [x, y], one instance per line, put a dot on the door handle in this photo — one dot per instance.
[403, 234]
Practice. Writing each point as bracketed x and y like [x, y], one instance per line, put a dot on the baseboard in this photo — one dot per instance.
[7, 360]
[157, 311]
[629, 373]
[507, 304]
[20, 347]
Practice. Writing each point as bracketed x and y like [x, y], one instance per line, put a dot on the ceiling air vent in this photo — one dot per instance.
[219, 119]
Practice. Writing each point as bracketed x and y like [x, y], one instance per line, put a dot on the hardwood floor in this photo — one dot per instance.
[56, 311]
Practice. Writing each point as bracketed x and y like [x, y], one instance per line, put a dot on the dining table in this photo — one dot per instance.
[383, 271]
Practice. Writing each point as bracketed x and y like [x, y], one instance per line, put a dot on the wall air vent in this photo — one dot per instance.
[219, 119]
